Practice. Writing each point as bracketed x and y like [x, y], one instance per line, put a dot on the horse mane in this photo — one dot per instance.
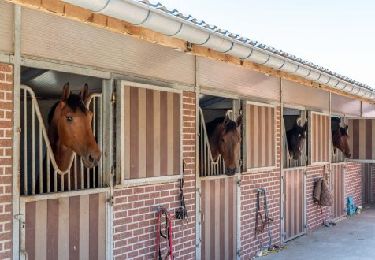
[74, 102]
[211, 126]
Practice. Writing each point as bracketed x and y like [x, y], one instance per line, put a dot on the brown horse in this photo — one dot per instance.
[296, 139]
[340, 137]
[224, 137]
[70, 130]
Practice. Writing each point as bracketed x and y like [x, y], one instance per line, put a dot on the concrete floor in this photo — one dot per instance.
[352, 238]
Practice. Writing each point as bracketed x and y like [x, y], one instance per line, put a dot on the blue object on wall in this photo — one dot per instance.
[350, 206]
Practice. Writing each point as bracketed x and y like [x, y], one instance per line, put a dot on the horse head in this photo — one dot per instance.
[229, 142]
[70, 129]
[296, 139]
[340, 140]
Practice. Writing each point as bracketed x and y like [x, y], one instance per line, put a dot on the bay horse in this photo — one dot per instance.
[224, 136]
[296, 137]
[340, 137]
[70, 131]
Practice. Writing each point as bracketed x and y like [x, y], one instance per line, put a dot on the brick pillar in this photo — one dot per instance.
[6, 144]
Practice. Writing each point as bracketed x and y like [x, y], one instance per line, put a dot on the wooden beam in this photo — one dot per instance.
[58, 7]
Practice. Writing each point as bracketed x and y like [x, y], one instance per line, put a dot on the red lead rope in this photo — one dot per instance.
[168, 234]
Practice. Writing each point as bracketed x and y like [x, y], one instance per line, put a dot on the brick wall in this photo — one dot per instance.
[353, 182]
[250, 182]
[135, 208]
[6, 125]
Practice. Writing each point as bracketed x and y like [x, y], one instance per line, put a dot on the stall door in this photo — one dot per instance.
[368, 179]
[71, 227]
[337, 184]
[219, 218]
[294, 203]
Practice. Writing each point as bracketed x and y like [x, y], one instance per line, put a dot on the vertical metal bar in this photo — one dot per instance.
[32, 147]
[75, 172]
[119, 128]
[25, 144]
[88, 178]
[62, 183]
[198, 169]
[238, 211]
[55, 180]
[100, 140]
[107, 158]
[48, 171]
[41, 188]
[69, 181]
[81, 173]
[16, 131]
[93, 103]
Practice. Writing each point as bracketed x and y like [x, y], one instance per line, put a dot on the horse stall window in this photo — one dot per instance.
[361, 135]
[260, 135]
[150, 128]
[320, 137]
[295, 137]
[61, 132]
[340, 146]
[220, 134]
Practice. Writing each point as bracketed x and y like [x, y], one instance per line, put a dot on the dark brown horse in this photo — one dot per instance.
[340, 137]
[70, 130]
[224, 136]
[296, 138]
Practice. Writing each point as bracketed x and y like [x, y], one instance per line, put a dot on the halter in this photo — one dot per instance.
[167, 235]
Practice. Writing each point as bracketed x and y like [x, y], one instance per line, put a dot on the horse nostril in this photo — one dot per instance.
[230, 171]
[91, 158]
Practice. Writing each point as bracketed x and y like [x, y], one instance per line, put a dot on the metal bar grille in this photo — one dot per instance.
[289, 162]
[39, 171]
[207, 165]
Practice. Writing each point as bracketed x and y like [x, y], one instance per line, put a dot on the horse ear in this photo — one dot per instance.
[226, 119]
[299, 122]
[65, 92]
[84, 93]
[239, 120]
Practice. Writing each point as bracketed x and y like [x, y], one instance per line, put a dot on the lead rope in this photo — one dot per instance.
[267, 220]
[168, 234]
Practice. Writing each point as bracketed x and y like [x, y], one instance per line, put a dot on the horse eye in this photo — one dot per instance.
[69, 118]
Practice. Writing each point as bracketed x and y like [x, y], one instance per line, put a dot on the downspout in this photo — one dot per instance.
[157, 18]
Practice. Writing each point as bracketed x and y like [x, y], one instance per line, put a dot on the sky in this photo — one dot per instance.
[338, 35]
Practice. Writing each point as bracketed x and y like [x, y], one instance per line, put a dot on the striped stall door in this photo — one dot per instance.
[151, 133]
[65, 228]
[362, 138]
[337, 184]
[294, 198]
[219, 218]
[320, 134]
[260, 136]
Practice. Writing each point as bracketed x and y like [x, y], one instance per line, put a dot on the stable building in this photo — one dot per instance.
[156, 78]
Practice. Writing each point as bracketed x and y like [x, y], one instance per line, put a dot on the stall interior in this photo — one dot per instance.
[220, 131]
[337, 123]
[40, 91]
[295, 137]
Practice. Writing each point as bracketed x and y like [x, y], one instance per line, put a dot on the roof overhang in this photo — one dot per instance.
[205, 40]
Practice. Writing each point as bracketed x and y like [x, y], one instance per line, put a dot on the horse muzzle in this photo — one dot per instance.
[91, 160]
[230, 171]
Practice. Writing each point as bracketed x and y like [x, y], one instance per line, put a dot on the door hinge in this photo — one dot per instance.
[21, 219]
[110, 200]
